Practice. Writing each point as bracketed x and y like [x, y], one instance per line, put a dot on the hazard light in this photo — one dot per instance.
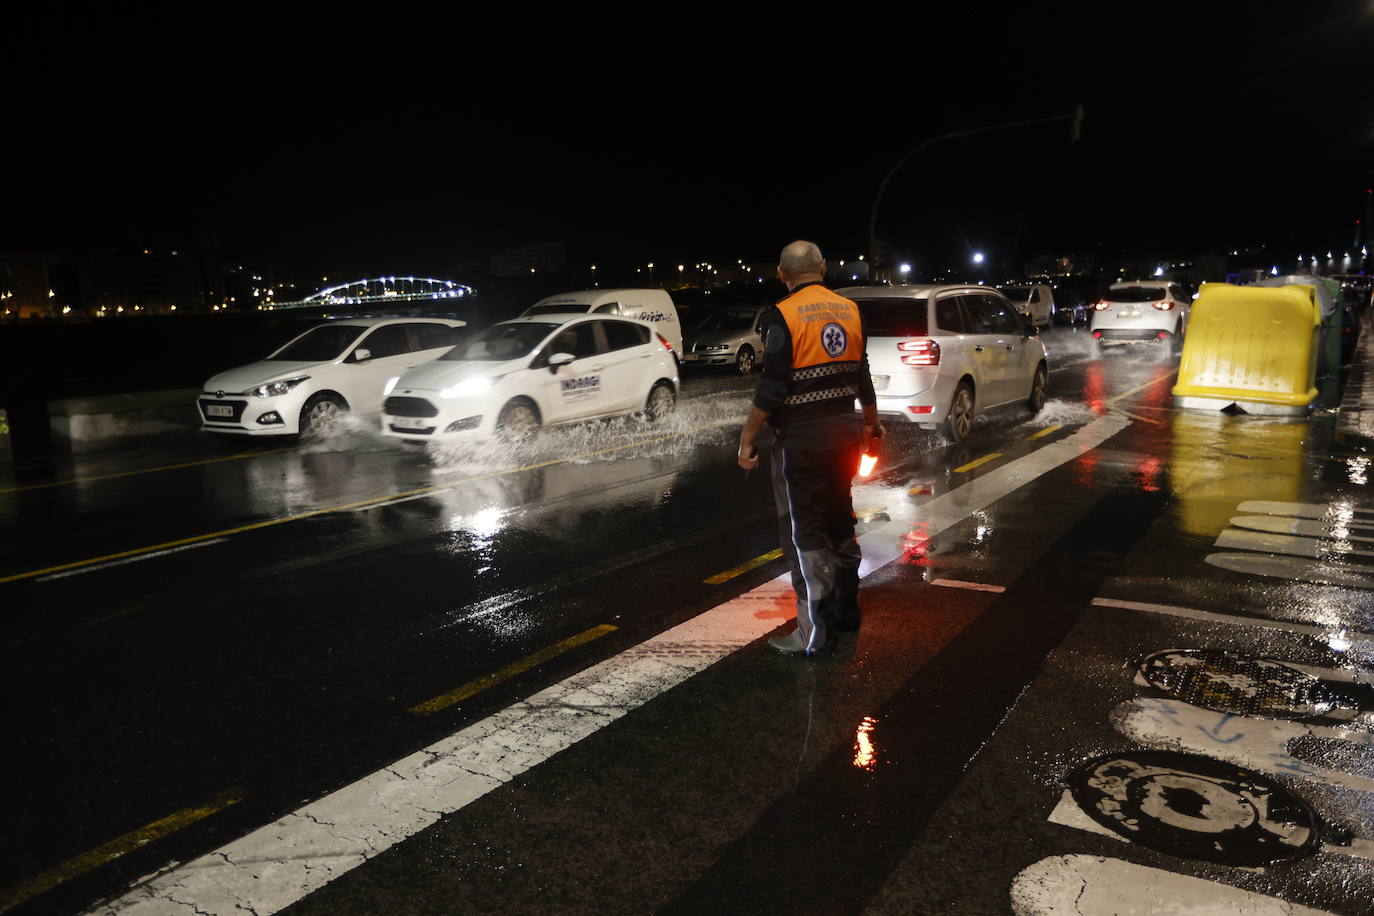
[920, 352]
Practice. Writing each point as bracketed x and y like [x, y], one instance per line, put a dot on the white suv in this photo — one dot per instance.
[1141, 312]
[303, 386]
[542, 370]
[941, 355]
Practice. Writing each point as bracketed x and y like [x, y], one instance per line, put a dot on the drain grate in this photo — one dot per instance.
[1243, 686]
[1196, 808]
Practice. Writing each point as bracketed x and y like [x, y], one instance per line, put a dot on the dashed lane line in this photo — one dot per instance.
[272, 522]
[282, 862]
[137, 559]
[1265, 622]
[743, 568]
[474, 687]
[1139, 388]
[1045, 432]
[165, 467]
[72, 868]
[971, 586]
[977, 462]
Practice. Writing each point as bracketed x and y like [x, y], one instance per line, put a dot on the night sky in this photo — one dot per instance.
[404, 142]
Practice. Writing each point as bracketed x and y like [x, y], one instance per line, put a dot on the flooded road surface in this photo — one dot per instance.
[338, 677]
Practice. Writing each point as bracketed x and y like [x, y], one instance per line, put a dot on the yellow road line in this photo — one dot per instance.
[977, 462]
[165, 467]
[743, 568]
[444, 701]
[1137, 388]
[72, 868]
[1044, 432]
[361, 503]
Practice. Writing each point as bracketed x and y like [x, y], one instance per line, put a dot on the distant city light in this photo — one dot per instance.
[906, 268]
[1159, 271]
[1274, 271]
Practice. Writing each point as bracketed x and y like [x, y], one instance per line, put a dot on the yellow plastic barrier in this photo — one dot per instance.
[1252, 347]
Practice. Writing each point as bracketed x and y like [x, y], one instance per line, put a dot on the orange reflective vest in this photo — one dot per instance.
[827, 342]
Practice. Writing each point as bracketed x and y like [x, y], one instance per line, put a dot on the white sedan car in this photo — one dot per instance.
[339, 366]
[540, 370]
[941, 355]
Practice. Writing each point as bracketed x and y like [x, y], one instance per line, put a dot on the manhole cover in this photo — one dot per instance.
[1196, 808]
[1243, 686]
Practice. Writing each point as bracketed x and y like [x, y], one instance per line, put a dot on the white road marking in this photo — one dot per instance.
[1293, 545]
[1212, 616]
[138, 559]
[1276, 524]
[278, 864]
[1078, 884]
[1256, 744]
[972, 586]
[1321, 571]
[1334, 511]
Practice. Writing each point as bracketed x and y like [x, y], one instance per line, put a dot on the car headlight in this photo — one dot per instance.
[466, 388]
[275, 389]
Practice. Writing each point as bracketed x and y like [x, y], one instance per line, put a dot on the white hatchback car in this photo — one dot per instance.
[339, 366]
[1141, 312]
[542, 370]
[1035, 300]
[941, 355]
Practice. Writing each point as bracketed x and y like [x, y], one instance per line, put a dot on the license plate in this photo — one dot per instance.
[218, 410]
[880, 382]
[412, 422]
[1130, 313]
[691, 357]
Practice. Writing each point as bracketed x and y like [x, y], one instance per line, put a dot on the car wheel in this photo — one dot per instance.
[1036, 401]
[744, 359]
[662, 400]
[320, 413]
[960, 418]
[518, 420]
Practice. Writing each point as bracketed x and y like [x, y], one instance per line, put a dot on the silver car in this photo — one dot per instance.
[941, 355]
[725, 337]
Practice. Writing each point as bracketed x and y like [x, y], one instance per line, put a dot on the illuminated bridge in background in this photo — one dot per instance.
[386, 291]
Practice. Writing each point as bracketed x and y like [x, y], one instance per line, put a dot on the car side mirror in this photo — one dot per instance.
[362, 355]
[560, 359]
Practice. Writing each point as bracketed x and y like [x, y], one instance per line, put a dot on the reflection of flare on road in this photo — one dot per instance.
[915, 544]
[865, 757]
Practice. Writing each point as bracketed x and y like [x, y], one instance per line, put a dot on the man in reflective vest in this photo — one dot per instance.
[815, 365]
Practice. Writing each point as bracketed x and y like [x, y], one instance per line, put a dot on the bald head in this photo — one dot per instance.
[801, 262]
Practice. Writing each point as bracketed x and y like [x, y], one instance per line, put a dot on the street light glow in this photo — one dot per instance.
[978, 257]
[905, 269]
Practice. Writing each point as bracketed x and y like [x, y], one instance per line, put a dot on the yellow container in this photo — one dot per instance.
[1252, 347]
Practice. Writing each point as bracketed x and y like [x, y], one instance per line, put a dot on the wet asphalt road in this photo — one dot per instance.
[259, 630]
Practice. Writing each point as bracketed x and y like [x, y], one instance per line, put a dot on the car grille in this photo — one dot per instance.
[409, 407]
[236, 406]
[425, 431]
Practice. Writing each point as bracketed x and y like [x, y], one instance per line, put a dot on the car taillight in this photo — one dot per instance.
[663, 340]
[1163, 305]
[920, 352]
[1101, 305]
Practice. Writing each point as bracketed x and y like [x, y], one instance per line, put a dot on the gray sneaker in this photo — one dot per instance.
[792, 644]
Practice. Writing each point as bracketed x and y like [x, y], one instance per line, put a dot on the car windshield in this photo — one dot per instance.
[326, 342]
[894, 317]
[502, 342]
[728, 320]
[555, 309]
[1135, 294]
[1017, 293]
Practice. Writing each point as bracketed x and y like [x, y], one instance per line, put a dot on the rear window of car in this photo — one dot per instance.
[1135, 294]
[895, 317]
[1016, 293]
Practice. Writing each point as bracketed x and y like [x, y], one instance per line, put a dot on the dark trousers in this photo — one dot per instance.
[816, 531]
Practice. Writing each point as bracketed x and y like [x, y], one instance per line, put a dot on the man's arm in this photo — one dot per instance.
[772, 387]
